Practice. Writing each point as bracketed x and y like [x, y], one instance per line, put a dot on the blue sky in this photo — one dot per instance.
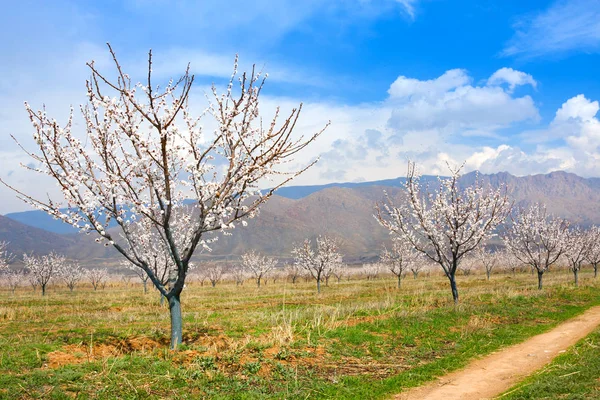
[500, 85]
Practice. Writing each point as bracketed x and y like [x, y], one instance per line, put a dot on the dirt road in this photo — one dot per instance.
[490, 376]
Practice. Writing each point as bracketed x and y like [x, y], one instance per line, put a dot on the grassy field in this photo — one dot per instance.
[358, 339]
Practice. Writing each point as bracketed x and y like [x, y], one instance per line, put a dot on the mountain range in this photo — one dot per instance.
[343, 210]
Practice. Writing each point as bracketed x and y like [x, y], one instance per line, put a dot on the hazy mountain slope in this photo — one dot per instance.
[343, 212]
[26, 239]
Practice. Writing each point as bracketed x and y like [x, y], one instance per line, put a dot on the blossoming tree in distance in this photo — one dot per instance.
[447, 223]
[147, 163]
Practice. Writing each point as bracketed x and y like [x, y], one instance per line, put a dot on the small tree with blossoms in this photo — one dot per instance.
[146, 156]
[318, 261]
[488, 259]
[508, 261]
[6, 257]
[258, 266]
[214, 273]
[537, 239]
[12, 279]
[43, 269]
[239, 274]
[592, 253]
[71, 274]
[97, 277]
[448, 223]
[575, 249]
[398, 259]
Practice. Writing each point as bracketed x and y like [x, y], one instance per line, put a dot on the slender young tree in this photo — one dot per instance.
[467, 263]
[592, 254]
[488, 259]
[339, 271]
[317, 262]
[146, 155]
[371, 271]
[508, 261]
[13, 279]
[214, 273]
[417, 265]
[447, 223]
[537, 239]
[398, 259]
[97, 277]
[575, 250]
[71, 274]
[257, 265]
[43, 269]
[293, 271]
[239, 274]
[6, 257]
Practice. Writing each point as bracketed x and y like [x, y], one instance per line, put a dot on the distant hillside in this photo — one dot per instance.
[27, 239]
[341, 210]
[40, 219]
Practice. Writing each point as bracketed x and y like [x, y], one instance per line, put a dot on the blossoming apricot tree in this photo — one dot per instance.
[146, 156]
[447, 223]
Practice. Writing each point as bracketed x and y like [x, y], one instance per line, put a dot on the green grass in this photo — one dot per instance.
[357, 340]
[572, 375]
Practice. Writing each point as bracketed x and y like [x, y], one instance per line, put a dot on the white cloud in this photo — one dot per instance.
[565, 26]
[452, 104]
[513, 77]
[406, 88]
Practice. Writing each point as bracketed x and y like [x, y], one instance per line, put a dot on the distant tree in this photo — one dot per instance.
[339, 271]
[71, 274]
[537, 239]
[320, 260]
[508, 261]
[447, 223]
[417, 265]
[43, 269]
[575, 250]
[467, 264]
[487, 259]
[257, 265]
[146, 156]
[214, 273]
[140, 273]
[126, 278]
[6, 257]
[371, 271]
[13, 279]
[97, 277]
[399, 258]
[239, 274]
[592, 254]
[294, 271]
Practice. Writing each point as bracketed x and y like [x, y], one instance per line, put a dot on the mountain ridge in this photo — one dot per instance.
[344, 210]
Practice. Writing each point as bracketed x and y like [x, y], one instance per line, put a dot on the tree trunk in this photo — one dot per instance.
[540, 276]
[595, 270]
[488, 273]
[176, 321]
[258, 282]
[213, 283]
[145, 287]
[318, 285]
[452, 279]
[415, 273]
[576, 275]
[43, 290]
[399, 281]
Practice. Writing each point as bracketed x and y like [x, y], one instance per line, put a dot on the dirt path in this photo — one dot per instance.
[499, 371]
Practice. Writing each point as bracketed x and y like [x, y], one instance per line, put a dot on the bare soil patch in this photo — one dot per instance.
[490, 376]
